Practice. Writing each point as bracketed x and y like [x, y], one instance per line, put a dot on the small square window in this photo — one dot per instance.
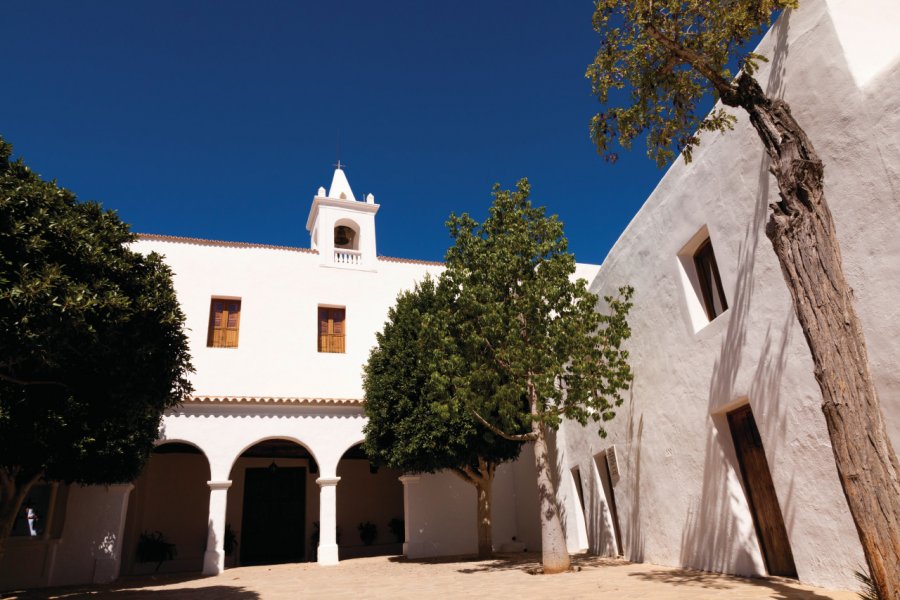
[332, 330]
[710, 283]
[224, 323]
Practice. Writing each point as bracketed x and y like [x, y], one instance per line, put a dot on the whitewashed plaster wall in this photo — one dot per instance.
[89, 550]
[280, 291]
[224, 432]
[680, 497]
[440, 516]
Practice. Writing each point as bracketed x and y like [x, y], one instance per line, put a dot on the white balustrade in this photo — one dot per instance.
[347, 257]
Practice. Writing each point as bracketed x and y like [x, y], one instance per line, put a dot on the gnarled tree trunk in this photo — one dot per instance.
[802, 232]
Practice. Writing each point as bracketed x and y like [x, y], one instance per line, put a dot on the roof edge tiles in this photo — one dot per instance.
[414, 261]
[157, 237]
[272, 400]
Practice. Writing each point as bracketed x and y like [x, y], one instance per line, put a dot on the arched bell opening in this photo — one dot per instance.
[273, 505]
[369, 507]
[346, 235]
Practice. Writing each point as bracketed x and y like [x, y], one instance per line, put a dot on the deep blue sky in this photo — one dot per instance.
[219, 119]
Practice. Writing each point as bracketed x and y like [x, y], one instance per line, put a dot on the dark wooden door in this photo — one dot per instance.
[767, 518]
[602, 460]
[274, 516]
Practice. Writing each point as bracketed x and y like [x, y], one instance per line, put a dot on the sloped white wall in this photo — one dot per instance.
[680, 497]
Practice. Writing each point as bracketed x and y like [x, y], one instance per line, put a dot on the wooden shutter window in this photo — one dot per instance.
[224, 323]
[710, 282]
[332, 330]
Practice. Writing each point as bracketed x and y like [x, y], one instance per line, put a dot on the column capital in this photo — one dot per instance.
[405, 479]
[326, 481]
[219, 485]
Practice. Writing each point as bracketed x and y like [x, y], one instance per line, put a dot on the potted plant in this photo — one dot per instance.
[367, 532]
[230, 544]
[153, 547]
[398, 528]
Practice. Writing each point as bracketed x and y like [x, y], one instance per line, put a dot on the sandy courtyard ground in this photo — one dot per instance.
[396, 577]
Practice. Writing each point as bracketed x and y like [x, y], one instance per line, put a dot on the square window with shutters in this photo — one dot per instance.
[713, 295]
[332, 329]
[224, 323]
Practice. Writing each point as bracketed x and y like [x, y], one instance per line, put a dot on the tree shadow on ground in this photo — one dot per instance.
[527, 562]
[140, 587]
[716, 581]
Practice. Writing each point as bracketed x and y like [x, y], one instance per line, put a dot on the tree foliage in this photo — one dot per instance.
[662, 55]
[416, 422]
[92, 348]
[536, 335]
[535, 331]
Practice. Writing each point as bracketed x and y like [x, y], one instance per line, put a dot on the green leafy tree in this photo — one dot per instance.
[416, 423]
[537, 336]
[92, 348]
[661, 57]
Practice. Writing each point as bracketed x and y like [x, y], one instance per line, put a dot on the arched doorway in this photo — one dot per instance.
[168, 505]
[273, 504]
[369, 507]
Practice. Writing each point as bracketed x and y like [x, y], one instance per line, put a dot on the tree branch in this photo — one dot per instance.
[461, 473]
[523, 437]
[499, 360]
[16, 381]
[6, 484]
[727, 91]
[473, 476]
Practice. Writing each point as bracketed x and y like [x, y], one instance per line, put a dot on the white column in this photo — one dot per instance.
[214, 559]
[109, 553]
[328, 549]
[407, 481]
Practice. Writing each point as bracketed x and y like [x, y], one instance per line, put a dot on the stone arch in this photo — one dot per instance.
[272, 502]
[269, 438]
[369, 506]
[171, 496]
[347, 234]
[180, 441]
[349, 447]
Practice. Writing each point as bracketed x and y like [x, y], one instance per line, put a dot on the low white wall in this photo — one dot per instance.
[441, 512]
[90, 548]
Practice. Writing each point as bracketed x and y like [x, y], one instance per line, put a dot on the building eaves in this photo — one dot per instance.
[273, 400]
[411, 261]
[156, 237]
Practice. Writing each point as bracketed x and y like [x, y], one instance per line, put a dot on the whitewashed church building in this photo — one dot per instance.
[719, 459]
[262, 464]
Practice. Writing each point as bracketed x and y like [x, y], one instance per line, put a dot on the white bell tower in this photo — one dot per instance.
[341, 228]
